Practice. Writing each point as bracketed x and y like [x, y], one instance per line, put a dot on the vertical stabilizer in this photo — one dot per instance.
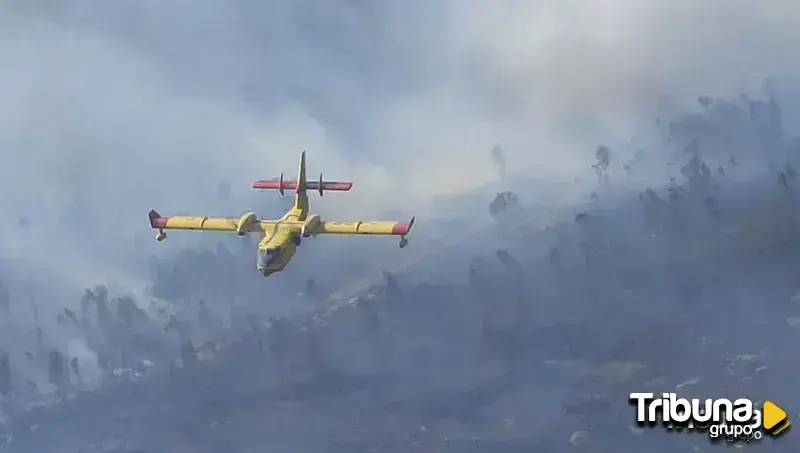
[301, 198]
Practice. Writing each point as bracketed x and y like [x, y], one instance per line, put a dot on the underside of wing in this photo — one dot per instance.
[376, 227]
[199, 223]
[248, 223]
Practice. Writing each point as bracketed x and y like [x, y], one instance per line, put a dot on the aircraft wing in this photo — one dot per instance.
[238, 225]
[387, 228]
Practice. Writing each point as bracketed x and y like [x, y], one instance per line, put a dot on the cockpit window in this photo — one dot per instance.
[268, 257]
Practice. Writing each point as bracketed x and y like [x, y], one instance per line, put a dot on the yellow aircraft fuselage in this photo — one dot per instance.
[275, 250]
[281, 237]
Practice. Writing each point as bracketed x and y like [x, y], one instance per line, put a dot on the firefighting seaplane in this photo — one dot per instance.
[281, 237]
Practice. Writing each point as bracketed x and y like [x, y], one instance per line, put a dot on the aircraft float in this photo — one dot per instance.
[281, 237]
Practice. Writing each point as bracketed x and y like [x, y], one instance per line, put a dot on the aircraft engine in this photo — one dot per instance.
[245, 223]
[311, 224]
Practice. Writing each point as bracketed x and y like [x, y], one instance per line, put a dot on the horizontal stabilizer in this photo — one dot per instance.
[311, 185]
[320, 186]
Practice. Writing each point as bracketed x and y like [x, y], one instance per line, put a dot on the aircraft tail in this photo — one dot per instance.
[301, 198]
[301, 185]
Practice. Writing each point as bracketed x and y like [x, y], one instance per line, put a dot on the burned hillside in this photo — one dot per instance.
[688, 284]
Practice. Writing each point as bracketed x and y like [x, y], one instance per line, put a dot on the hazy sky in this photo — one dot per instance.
[111, 108]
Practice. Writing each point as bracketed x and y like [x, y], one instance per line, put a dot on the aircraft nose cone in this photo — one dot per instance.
[261, 268]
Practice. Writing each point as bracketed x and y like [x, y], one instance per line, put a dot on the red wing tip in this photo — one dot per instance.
[153, 216]
[156, 220]
[401, 228]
